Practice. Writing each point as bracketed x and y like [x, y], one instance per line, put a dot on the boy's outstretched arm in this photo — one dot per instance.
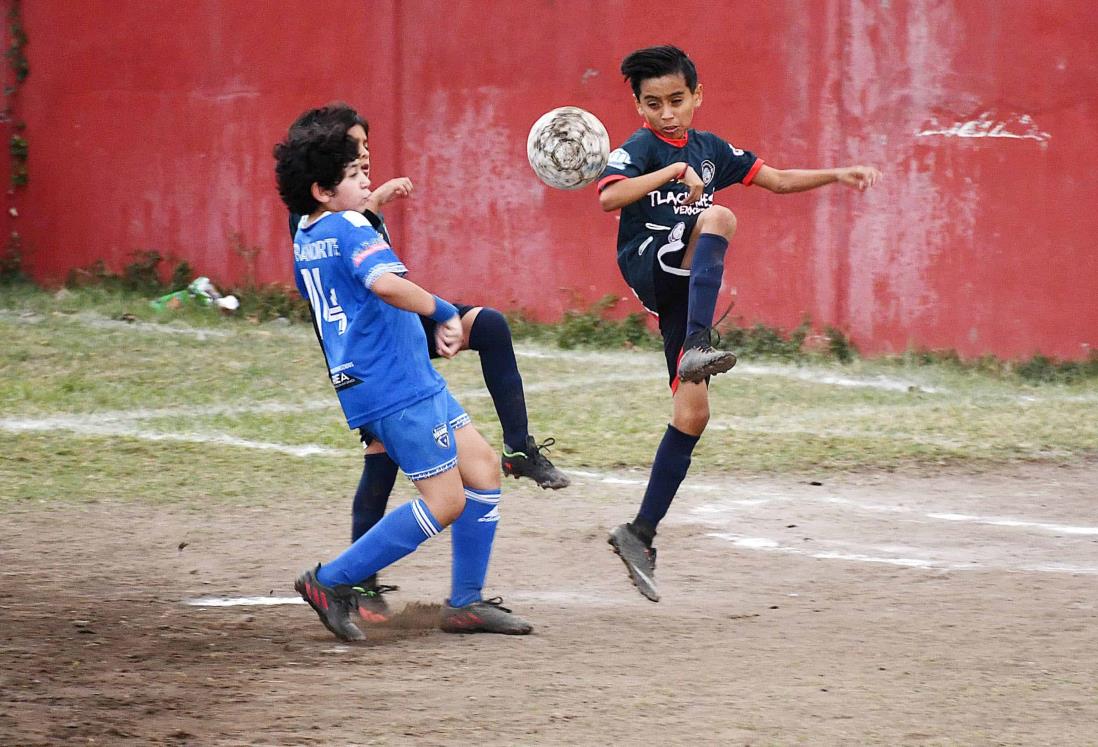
[624, 192]
[404, 294]
[785, 181]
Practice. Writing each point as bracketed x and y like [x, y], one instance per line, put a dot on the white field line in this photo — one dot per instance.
[714, 513]
[809, 374]
[83, 427]
[241, 601]
[766, 544]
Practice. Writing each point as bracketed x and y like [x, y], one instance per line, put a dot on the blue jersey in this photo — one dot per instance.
[717, 162]
[376, 353]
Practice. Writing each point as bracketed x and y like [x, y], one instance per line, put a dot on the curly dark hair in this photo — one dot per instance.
[316, 153]
[656, 62]
[332, 113]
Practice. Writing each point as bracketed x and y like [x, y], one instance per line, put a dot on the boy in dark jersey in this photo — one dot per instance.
[484, 329]
[365, 314]
[671, 243]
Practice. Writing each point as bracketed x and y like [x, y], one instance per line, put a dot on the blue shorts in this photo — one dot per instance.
[420, 438]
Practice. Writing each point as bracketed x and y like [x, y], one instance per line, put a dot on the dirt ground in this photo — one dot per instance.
[869, 609]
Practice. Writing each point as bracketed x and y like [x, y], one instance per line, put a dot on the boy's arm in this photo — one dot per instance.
[622, 192]
[785, 181]
[404, 294]
[389, 191]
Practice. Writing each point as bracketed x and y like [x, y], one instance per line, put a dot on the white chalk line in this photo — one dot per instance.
[765, 544]
[242, 601]
[714, 512]
[121, 430]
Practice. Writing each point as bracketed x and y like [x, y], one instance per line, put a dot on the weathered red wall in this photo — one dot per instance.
[151, 122]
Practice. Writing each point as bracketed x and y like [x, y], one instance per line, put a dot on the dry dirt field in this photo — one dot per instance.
[869, 609]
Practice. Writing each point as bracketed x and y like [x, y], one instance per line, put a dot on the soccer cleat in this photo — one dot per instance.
[701, 360]
[370, 604]
[639, 558]
[485, 616]
[530, 462]
[334, 605]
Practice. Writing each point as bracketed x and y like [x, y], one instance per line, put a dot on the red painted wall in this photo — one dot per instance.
[151, 122]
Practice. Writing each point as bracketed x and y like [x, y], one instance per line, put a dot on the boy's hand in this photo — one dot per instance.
[448, 337]
[860, 178]
[392, 189]
[693, 182]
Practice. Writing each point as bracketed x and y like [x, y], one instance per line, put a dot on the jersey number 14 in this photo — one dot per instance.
[326, 308]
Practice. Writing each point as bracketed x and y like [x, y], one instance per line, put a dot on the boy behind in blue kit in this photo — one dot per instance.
[365, 316]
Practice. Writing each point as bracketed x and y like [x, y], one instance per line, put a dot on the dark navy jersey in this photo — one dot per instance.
[717, 162]
[376, 353]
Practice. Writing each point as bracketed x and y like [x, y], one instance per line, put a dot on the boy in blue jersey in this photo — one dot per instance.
[484, 329]
[365, 314]
[672, 239]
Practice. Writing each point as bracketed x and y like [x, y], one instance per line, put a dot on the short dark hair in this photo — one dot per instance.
[656, 62]
[332, 114]
[311, 154]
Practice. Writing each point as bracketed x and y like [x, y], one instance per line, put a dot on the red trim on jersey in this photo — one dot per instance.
[677, 142]
[608, 180]
[754, 170]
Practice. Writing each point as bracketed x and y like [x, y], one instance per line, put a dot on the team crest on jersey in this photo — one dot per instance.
[619, 159]
[442, 436]
[708, 171]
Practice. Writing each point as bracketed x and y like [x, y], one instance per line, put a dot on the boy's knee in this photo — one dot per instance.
[719, 220]
[489, 328]
[691, 420]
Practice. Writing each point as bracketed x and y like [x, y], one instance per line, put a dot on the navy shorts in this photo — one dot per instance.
[420, 438]
[651, 264]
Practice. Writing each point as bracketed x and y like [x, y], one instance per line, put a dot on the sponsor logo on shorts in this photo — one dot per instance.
[442, 436]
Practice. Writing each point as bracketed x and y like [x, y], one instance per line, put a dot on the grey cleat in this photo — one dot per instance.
[638, 557]
[703, 361]
[529, 461]
[335, 605]
[485, 616]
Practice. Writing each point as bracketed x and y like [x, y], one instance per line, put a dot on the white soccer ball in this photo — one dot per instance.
[568, 148]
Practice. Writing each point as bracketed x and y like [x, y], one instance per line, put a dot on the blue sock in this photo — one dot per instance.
[491, 337]
[473, 534]
[668, 471]
[379, 474]
[706, 270]
[399, 533]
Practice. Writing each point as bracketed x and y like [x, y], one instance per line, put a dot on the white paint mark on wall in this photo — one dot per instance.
[1013, 127]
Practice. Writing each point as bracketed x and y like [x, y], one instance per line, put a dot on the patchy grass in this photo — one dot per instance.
[168, 407]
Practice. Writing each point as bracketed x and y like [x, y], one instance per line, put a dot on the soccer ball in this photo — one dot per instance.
[568, 148]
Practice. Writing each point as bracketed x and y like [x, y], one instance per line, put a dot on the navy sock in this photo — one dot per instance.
[491, 337]
[668, 471]
[706, 271]
[379, 474]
